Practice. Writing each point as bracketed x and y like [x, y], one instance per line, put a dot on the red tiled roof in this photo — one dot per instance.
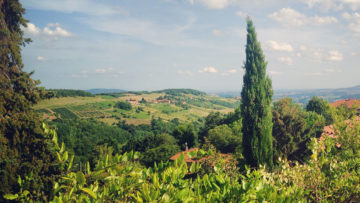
[330, 132]
[190, 160]
[348, 102]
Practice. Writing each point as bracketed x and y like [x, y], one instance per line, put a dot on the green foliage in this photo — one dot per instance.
[24, 149]
[256, 98]
[83, 136]
[293, 129]
[65, 113]
[331, 175]
[185, 134]
[125, 105]
[224, 139]
[69, 93]
[178, 92]
[322, 107]
[343, 112]
[161, 153]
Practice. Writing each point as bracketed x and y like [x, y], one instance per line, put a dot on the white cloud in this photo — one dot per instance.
[185, 72]
[208, 69]
[31, 29]
[212, 4]
[292, 18]
[107, 72]
[217, 33]
[272, 72]
[146, 30]
[76, 6]
[289, 16]
[324, 5]
[55, 30]
[286, 60]
[51, 30]
[82, 74]
[353, 4]
[242, 14]
[41, 58]
[354, 21]
[279, 46]
[303, 48]
[230, 72]
[333, 70]
[103, 70]
[335, 55]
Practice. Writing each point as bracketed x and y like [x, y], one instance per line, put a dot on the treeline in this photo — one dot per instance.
[157, 141]
[178, 92]
[68, 93]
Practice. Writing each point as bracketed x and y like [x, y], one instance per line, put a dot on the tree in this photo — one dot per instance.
[293, 129]
[322, 107]
[256, 98]
[223, 138]
[185, 133]
[125, 105]
[24, 149]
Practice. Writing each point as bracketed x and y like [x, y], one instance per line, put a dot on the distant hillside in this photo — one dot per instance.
[184, 104]
[69, 93]
[102, 91]
[303, 96]
[177, 92]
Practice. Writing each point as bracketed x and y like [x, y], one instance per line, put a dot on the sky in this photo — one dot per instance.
[199, 44]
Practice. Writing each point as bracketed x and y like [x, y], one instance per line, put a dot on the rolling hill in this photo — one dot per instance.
[184, 104]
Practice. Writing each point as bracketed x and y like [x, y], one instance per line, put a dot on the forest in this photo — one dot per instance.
[264, 150]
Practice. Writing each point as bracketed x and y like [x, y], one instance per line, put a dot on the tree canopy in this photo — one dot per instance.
[256, 98]
[24, 150]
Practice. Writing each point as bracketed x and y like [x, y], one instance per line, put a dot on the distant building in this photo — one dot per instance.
[189, 160]
[163, 101]
[349, 103]
[133, 101]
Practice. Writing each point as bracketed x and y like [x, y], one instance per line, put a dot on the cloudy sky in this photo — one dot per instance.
[157, 44]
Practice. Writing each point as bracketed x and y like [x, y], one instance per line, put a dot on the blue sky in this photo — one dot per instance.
[157, 44]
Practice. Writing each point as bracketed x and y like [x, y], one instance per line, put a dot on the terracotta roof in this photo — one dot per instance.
[330, 132]
[191, 160]
[348, 102]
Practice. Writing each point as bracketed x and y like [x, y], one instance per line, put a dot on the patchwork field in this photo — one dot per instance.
[185, 107]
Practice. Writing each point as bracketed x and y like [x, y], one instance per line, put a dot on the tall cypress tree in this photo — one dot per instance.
[24, 150]
[256, 98]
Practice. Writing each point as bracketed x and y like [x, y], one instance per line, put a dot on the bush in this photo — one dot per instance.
[223, 138]
[123, 105]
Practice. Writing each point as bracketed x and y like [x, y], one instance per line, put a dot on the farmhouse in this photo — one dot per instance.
[349, 103]
[189, 160]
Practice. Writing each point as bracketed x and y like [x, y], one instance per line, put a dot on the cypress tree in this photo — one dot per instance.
[24, 150]
[256, 98]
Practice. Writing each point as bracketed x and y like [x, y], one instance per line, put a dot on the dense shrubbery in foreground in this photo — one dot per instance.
[331, 174]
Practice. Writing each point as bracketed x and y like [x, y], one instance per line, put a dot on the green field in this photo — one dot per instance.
[185, 107]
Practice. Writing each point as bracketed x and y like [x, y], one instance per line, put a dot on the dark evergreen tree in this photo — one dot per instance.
[256, 97]
[24, 150]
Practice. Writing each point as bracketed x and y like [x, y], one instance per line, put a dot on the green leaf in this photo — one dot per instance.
[88, 168]
[66, 156]
[19, 180]
[70, 163]
[89, 192]
[11, 196]
[80, 178]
